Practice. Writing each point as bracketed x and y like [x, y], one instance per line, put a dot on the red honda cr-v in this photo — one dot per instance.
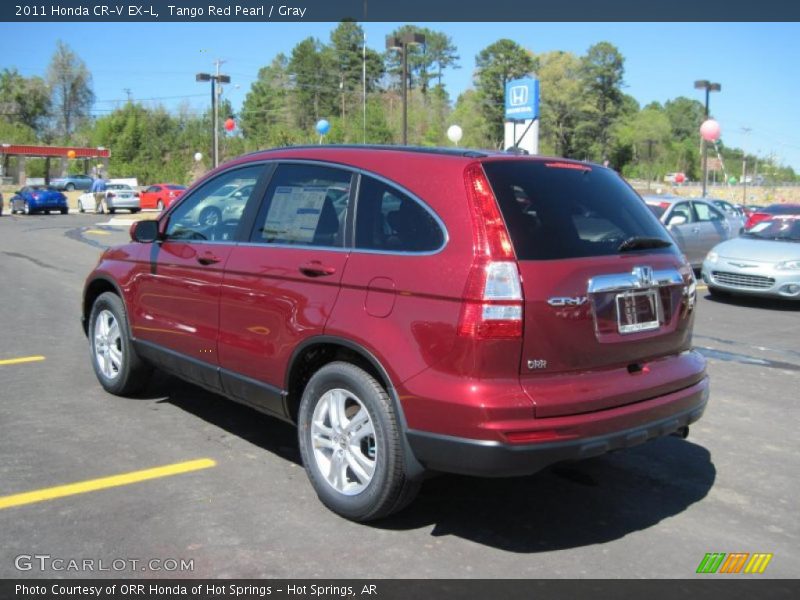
[412, 311]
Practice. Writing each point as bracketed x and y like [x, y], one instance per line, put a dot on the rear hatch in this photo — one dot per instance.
[607, 296]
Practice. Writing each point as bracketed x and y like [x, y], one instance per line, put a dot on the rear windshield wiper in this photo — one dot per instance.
[641, 243]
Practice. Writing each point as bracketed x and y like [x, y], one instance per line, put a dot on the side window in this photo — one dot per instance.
[213, 211]
[389, 220]
[706, 212]
[152, 189]
[682, 209]
[306, 205]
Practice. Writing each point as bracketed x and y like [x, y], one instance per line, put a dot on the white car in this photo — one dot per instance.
[117, 196]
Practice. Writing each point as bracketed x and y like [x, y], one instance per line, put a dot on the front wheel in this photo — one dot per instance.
[26, 208]
[351, 444]
[70, 187]
[116, 364]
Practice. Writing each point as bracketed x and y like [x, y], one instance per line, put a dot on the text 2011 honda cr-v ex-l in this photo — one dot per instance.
[412, 311]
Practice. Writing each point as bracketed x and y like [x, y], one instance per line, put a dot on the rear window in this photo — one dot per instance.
[782, 209]
[557, 210]
[176, 187]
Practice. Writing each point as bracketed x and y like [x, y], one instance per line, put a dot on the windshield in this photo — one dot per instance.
[556, 210]
[783, 229]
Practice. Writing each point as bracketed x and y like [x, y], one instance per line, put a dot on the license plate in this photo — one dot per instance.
[637, 311]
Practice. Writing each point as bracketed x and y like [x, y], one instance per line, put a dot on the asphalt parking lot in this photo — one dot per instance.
[230, 497]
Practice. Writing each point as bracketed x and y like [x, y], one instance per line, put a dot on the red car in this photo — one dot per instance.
[160, 195]
[762, 214]
[412, 310]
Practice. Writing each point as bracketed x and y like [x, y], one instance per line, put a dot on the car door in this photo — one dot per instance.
[711, 227]
[176, 307]
[281, 286]
[683, 232]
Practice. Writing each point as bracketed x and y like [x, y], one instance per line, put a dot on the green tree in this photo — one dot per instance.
[266, 117]
[561, 101]
[602, 74]
[685, 117]
[24, 101]
[425, 61]
[496, 65]
[315, 82]
[468, 115]
[71, 84]
[648, 134]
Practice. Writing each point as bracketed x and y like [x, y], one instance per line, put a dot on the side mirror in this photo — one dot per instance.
[676, 220]
[144, 232]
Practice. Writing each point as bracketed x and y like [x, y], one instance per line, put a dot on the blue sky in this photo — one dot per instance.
[756, 63]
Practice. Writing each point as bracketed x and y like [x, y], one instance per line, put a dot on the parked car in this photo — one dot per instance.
[765, 212]
[117, 196]
[412, 311]
[764, 261]
[675, 178]
[732, 212]
[696, 225]
[38, 198]
[72, 182]
[160, 195]
[226, 203]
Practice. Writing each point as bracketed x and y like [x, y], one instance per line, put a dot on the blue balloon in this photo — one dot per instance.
[323, 127]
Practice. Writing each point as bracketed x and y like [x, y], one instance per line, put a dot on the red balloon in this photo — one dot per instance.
[680, 178]
[710, 130]
[230, 124]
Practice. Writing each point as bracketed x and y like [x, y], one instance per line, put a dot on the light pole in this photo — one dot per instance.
[401, 43]
[705, 84]
[214, 117]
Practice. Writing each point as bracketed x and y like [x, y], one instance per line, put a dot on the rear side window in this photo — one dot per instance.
[706, 212]
[557, 210]
[389, 220]
[306, 206]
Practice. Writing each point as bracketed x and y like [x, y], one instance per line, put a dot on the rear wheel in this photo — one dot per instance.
[351, 444]
[210, 216]
[116, 364]
[70, 187]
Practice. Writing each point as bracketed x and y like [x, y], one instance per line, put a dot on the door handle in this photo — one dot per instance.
[316, 269]
[208, 259]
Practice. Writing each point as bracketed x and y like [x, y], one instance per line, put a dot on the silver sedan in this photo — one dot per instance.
[764, 261]
[695, 224]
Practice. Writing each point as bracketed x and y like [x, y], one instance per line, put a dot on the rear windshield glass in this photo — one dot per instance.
[559, 210]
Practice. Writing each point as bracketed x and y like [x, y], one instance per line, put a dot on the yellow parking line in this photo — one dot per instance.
[93, 485]
[24, 359]
[97, 232]
[702, 286]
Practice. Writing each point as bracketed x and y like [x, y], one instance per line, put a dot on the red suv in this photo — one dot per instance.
[412, 311]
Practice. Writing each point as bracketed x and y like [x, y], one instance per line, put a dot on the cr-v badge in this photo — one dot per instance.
[566, 301]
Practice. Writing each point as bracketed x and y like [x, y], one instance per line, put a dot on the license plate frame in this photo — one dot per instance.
[638, 311]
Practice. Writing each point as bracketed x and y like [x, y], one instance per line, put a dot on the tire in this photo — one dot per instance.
[47, 211]
[117, 366]
[26, 208]
[160, 206]
[111, 211]
[134, 211]
[64, 211]
[365, 439]
[70, 187]
[210, 216]
[81, 209]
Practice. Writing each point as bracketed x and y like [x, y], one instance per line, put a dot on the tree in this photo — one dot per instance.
[496, 65]
[425, 61]
[685, 117]
[71, 85]
[649, 135]
[603, 69]
[561, 101]
[24, 101]
[315, 82]
[266, 118]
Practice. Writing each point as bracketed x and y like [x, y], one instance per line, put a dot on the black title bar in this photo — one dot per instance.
[400, 11]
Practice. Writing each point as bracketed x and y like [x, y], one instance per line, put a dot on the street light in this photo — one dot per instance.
[401, 43]
[705, 84]
[214, 117]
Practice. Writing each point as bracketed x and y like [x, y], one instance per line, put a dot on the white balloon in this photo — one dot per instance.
[198, 156]
[454, 133]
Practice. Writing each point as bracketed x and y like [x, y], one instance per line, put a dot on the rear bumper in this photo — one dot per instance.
[488, 458]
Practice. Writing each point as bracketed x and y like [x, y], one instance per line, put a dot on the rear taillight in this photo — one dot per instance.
[492, 304]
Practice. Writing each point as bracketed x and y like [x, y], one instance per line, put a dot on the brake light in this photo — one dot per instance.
[492, 303]
[567, 165]
[664, 205]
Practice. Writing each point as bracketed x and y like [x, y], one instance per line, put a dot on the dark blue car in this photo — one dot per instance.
[38, 198]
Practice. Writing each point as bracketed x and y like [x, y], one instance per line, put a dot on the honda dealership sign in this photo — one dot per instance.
[522, 99]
